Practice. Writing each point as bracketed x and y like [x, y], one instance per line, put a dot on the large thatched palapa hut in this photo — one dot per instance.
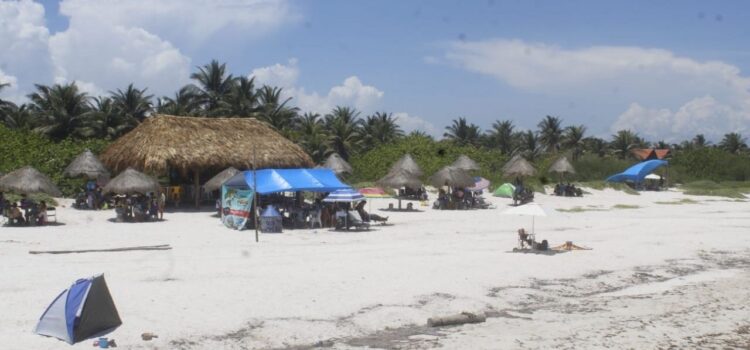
[190, 145]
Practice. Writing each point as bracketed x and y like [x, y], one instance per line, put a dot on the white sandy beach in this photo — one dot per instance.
[659, 276]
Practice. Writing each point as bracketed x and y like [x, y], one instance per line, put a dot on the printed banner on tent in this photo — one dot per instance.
[236, 205]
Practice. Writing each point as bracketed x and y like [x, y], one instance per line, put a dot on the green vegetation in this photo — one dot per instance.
[730, 189]
[678, 202]
[600, 185]
[21, 148]
[578, 209]
[625, 206]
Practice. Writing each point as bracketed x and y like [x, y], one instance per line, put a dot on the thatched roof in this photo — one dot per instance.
[400, 178]
[510, 163]
[216, 181]
[407, 164]
[337, 164]
[452, 176]
[465, 163]
[29, 180]
[86, 164]
[132, 181]
[520, 167]
[186, 143]
[562, 165]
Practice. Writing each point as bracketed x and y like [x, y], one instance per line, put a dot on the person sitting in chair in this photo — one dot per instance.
[523, 237]
[15, 215]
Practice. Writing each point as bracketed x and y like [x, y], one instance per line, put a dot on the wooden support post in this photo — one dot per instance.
[197, 188]
[256, 212]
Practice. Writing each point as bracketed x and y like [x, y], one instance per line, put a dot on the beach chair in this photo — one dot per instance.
[51, 214]
[356, 221]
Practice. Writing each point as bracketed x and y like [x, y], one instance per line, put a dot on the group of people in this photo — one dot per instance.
[140, 208]
[25, 212]
[459, 198]
[91, 197]
[522, 194]
[568, 190]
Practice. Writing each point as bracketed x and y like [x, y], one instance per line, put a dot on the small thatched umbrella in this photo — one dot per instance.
[510, 163]
[218, 180]
[29, 180]
[132, 181]
[407, 164]
[451, 176]
[520, 167]
[465, 163]
[86, 164]
[400, 178]
[562, 166]
[337, 164]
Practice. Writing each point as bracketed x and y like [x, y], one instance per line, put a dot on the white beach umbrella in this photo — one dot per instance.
[529, 209]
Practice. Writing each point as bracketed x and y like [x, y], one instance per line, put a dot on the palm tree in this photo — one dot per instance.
[106, 121]
[343, 128]
[420, 134]
[530, 144]
[213, 86]
[463, 133]
[275, 112]
[501, 136]
[700, 141]
[573, 139]
[380, 128]
[733, 143]
[550, 133]
[312, 136]
[4, 103]
[242, 99]
[133, 103]
[624, 141]
[60, 110]
[17, 117]
[595, 145]
[184, 103]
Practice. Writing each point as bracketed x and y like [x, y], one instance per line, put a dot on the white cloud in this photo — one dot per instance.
[351, 92]
[111, 43]
[23, 39]
[415, 123]
[686, 96]
[10, 92]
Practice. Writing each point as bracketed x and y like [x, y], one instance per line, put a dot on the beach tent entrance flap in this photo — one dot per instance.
[83, 311]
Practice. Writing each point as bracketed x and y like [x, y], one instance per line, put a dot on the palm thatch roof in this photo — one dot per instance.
[465, 163]
[400, 178]
[510, 163]
[86, 164]
[562, 165]
[520, 167]
[451, 176]
[29, 180]
[407, 164]
[186, 143]
[337, 164]
[216, 181]
[132, 181]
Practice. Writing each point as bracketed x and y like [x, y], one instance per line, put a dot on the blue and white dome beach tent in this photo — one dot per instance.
[83, 311]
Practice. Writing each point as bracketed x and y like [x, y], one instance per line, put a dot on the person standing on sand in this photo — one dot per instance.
[161, 201]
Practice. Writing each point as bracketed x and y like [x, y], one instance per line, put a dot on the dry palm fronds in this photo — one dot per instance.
[29, 180]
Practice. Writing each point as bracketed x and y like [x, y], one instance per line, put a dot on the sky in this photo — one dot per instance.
[667, 70]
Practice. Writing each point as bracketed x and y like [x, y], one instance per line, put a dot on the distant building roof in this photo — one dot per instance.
[650, 153]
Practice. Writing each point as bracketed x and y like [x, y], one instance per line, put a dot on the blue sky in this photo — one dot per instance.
[666, 69]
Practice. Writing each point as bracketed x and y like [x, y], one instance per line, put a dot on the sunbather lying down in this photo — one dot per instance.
[378, 218]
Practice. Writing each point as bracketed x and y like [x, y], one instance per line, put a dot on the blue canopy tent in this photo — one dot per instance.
[638, 172]
[289, 180]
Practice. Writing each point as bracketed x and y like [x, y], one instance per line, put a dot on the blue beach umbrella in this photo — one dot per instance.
[344, 195]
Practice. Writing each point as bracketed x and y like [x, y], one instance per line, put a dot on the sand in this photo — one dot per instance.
[659, 275]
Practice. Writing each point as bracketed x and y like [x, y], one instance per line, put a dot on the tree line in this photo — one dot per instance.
[63, 111]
